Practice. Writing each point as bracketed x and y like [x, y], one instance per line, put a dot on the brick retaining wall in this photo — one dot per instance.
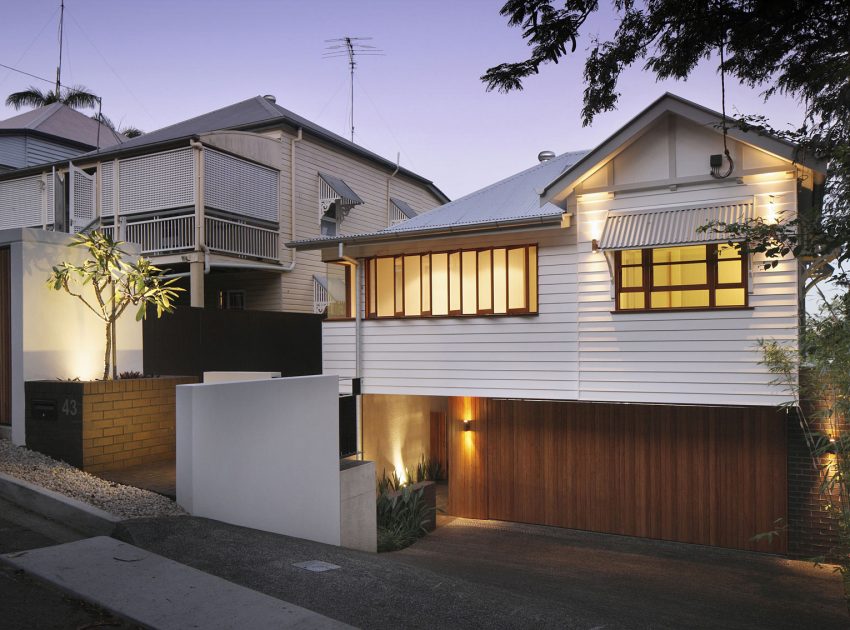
[812, 532]
[129, 422]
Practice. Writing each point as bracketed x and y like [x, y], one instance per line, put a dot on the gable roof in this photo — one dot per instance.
[671, 104]
[514, 200]
[61, 122]
[251, 114]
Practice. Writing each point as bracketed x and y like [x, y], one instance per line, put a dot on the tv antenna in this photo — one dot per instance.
[352, 48]
[61, 25]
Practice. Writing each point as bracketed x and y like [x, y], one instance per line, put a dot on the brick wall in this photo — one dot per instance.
[129, 422]
[812, 532]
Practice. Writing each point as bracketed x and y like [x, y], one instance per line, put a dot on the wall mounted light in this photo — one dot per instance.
[467, 425]
[594, 245]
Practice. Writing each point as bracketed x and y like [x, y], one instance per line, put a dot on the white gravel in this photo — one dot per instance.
[44, 471]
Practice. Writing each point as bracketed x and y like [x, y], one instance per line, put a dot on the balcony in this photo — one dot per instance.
[158, 201]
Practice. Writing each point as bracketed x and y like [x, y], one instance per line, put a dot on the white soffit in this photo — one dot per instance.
[670, 226]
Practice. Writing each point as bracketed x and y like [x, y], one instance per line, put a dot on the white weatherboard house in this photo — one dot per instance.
[573, 350]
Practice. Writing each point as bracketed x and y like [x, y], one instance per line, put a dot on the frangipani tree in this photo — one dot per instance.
[108, 285]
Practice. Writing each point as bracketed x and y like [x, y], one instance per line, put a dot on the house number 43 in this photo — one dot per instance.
[69, 407]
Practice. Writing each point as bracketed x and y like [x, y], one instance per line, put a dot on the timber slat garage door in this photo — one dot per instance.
[5, 338]
[707, 475]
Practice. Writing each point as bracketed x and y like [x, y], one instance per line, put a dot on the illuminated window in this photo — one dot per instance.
[501, 281]
[685, 277]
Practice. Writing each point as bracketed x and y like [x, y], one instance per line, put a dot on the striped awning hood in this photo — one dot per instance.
[334, 187]
[637, 229]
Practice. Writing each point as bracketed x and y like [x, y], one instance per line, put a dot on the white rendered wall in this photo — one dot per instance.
[53, 334]
[262, 454]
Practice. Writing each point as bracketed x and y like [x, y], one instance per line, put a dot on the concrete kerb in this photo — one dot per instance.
[77, 515]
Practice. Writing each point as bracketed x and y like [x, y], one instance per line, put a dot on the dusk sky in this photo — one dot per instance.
[158, 62]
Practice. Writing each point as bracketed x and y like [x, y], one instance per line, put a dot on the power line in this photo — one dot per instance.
[29, 74]
[32, 43]
[352, 48]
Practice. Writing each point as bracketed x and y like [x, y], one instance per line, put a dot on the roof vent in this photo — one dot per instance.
[545, 156]
[270, 98]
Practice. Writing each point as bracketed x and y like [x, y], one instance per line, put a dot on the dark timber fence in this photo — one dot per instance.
[191, 341]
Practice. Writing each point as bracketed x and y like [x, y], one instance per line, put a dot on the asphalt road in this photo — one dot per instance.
[29, 605]
[513, 576]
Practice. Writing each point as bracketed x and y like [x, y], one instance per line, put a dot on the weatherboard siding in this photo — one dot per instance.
[699, 357]
[13, 151]
[576, 348]
[366, 179]
[41, 151]
[531, 356]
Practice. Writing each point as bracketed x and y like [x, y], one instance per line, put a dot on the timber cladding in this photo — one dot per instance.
[707, 475]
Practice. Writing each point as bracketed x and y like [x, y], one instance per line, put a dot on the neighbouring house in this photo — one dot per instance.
[213, 199]
[572, 348]
[49, 134]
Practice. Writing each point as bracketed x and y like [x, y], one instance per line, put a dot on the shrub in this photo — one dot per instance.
[402, 518]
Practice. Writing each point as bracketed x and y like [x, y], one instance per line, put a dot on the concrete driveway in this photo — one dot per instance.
[483, 574]
[616, 581]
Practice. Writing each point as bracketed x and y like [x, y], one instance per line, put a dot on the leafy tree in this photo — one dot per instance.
[799, 48]
[78, 97]
[115, 285]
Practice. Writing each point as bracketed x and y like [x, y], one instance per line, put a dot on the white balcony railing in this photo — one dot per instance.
[161, 234]
[240, 239]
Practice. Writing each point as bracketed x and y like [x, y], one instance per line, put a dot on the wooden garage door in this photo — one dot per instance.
[707, 475]
[5, 338]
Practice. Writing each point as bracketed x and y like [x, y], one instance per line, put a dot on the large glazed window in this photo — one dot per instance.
[470, 282]
[685, 277]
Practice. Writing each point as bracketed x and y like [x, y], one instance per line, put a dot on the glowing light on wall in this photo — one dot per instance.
[595, 197]
[765, 178]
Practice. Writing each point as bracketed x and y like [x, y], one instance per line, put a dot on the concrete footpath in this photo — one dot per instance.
[155, 592]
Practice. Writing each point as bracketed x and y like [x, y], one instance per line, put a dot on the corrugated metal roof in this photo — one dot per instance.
[249, 114]
[403, 207]
[61, 121]
[341, 188]
[670, 226]
[511, 200]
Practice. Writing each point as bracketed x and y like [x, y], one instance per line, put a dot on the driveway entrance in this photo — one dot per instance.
[621, 582]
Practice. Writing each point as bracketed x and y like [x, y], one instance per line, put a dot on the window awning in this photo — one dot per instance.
[670, 226]
[334, 188]
[403, 207]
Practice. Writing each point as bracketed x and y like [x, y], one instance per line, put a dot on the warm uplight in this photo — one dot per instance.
[594, 230]
[466, 409]
[771, 210]
[764, 178]
[596, 197]
[467, 425]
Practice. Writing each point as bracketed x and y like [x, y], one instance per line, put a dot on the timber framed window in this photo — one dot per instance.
[688, 277]
[457, 283]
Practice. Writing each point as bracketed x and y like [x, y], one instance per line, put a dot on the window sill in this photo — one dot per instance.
[338, 319]
[683, 310]
[476, 316]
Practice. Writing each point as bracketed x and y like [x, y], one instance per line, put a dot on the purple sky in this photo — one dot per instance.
[157, 62]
